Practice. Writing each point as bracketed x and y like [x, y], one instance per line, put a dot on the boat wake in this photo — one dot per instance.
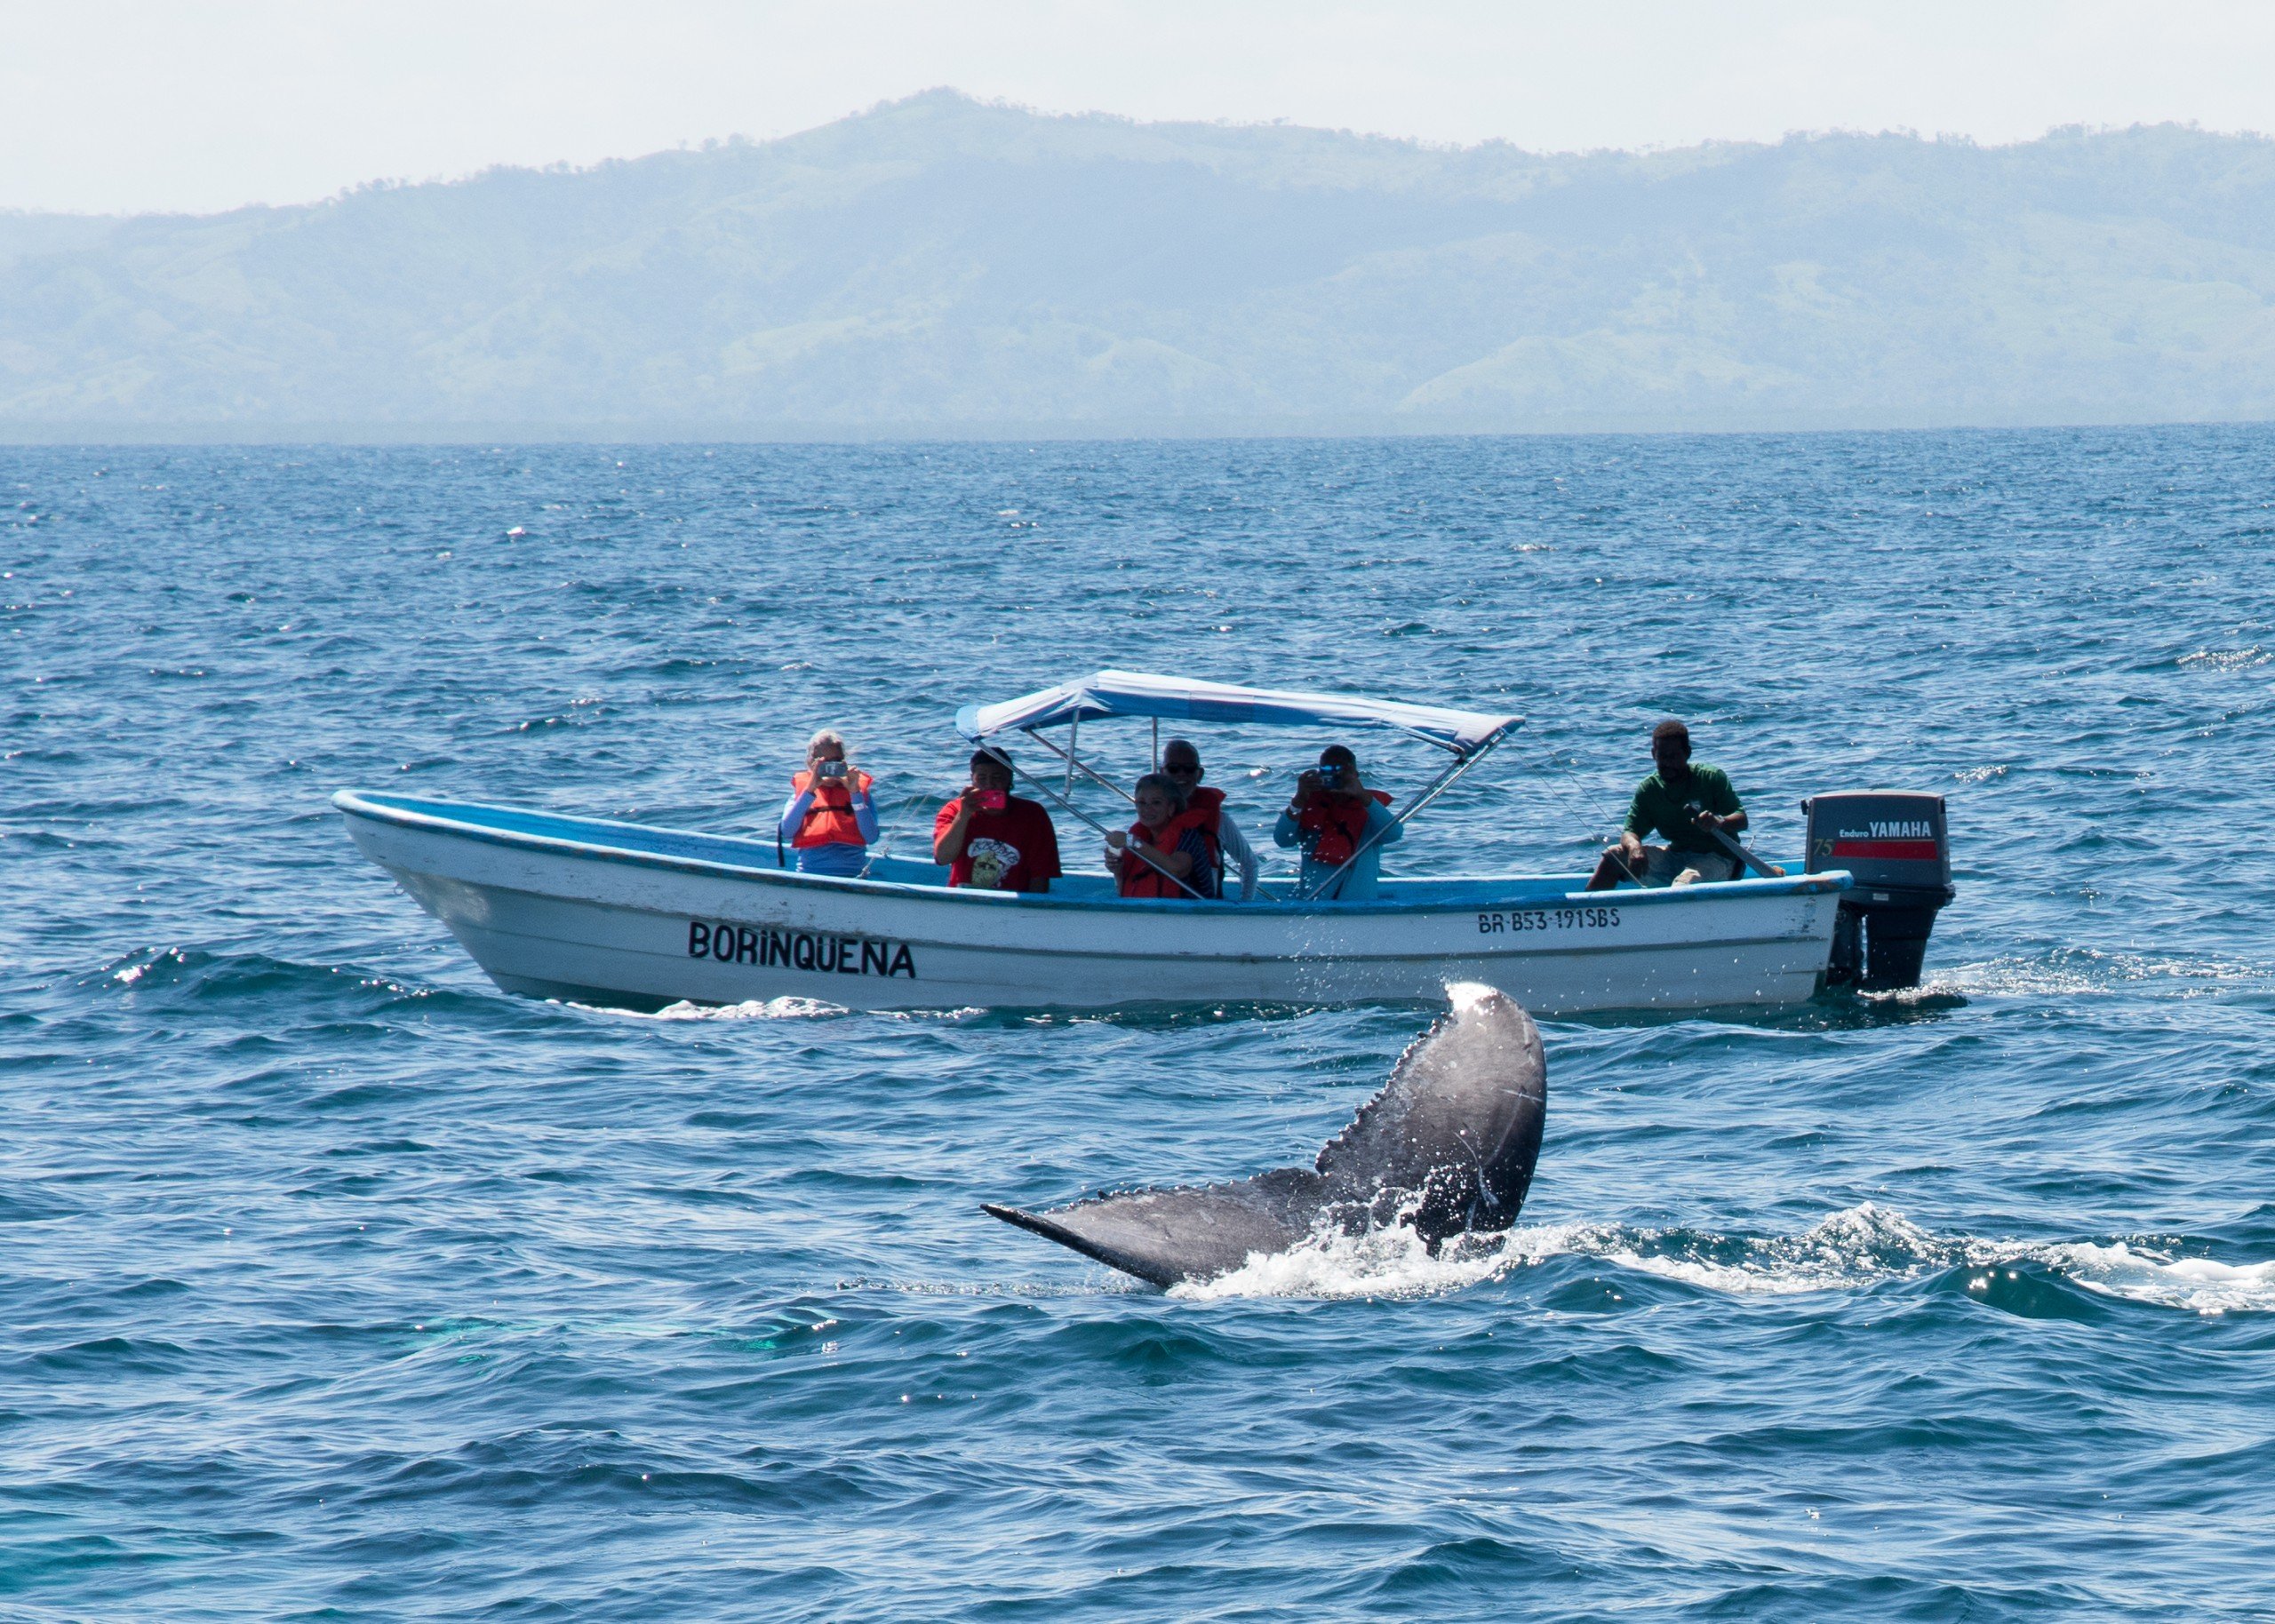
[750, 1009]
[1853, 1250]
[785, 1010]
[2072, 973]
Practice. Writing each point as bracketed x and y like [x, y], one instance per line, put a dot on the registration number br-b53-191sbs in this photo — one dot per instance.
[1498, 921]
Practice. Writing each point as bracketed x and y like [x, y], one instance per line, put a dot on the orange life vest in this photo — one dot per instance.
[1140, 878]
[829, 820]
[1337, 823]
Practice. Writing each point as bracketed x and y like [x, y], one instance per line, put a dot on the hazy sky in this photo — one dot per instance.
[109, 105]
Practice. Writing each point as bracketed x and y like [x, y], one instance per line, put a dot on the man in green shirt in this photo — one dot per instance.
[1674, 802]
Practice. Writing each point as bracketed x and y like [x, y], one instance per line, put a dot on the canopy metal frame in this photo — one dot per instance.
[1128, 693]
[1462, 761]
[1043, 786]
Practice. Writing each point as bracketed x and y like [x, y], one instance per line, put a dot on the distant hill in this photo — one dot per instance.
[939, 266]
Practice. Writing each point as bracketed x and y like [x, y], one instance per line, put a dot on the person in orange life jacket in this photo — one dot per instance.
[1182, 762]
[830, 819]
[1168, 849]
[1333, 817]
[989, 838]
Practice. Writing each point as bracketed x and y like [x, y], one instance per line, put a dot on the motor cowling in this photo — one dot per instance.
[1897, 845]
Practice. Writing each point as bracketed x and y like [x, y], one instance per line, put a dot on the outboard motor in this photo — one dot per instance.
[1896, 844]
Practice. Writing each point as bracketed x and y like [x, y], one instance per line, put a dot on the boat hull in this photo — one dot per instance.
[616, 915]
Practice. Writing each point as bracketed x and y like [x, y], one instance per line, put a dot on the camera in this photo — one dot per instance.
[829, 769]
[992, 801]
[1331, 775]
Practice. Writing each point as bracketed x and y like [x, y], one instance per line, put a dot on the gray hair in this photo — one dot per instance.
[1169, 787]
[828, 736]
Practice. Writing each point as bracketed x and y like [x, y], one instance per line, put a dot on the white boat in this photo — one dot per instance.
[629, 916]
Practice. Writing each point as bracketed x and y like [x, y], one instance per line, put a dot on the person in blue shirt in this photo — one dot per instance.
[1338, 821]
[830, 819]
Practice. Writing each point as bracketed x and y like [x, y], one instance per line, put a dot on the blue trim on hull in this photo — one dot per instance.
[737, 856]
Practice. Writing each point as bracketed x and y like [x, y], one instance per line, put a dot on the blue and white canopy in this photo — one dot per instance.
[1136, 693]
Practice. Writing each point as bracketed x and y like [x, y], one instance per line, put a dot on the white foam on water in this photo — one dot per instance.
[2085, 972]
[2227, 659]
[752, 1009]
[1390, 1261]
[2198, 1284]
[774, 1009]
[1851, 1250]
[1856, 1247]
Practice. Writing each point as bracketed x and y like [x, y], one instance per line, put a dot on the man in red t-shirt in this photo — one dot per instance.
[989, 838]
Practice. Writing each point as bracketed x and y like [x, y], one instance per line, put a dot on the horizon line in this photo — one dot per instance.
[347, 436]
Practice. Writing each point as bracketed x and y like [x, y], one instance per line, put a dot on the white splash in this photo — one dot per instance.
[778, 1009]
[2197, 1284]
[2083, 972]
[752, 1009]
[1851, 1250]
[1391, 1261]
[1855, 1247]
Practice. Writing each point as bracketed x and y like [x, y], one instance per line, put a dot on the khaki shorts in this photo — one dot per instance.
[1662, 865]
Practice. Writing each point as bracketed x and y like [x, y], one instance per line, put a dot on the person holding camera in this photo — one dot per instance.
[1167, 851]
[1342, 827]
[830, 819]
[989, 838]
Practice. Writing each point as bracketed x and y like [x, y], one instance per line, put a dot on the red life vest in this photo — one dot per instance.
[1205, 808]
[1140, 878]
[1336, 824]
[829, 820]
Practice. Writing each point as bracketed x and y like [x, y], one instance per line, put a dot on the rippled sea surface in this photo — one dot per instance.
[338, 1284]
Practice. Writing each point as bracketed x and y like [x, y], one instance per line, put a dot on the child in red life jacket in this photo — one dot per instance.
[1337, 820]
[830, 819]
[1170, 846]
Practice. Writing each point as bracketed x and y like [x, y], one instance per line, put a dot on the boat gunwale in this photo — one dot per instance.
[372, 805]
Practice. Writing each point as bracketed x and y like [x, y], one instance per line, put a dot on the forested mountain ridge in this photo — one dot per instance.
[940, 265]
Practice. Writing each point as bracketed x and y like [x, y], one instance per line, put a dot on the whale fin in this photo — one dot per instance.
[1458, 1123]
[1166, 1236]
[1447, 1145]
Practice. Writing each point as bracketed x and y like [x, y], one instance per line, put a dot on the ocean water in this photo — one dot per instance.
[338, 1285]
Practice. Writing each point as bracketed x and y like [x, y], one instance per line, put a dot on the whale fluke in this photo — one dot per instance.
[1447, 1146]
